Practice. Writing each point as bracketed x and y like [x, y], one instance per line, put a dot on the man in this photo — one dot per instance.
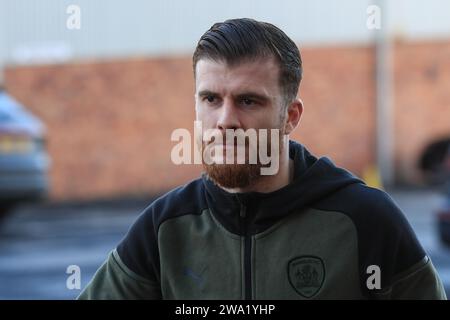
[309, 231]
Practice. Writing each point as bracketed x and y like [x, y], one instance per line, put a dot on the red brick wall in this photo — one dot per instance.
[422, 102]
[109, 123]
[338, 91]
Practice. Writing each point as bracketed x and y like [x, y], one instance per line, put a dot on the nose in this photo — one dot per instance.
[229, 116]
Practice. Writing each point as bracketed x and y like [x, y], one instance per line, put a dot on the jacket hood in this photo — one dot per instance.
[314, 179]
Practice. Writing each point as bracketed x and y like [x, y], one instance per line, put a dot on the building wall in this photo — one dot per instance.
[109, 123]
[422, 102]
[36, 31]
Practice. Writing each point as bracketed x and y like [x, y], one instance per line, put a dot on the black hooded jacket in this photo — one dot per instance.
[326, 235]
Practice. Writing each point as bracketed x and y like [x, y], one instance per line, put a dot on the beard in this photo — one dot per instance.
[233, 175]
[237, 175]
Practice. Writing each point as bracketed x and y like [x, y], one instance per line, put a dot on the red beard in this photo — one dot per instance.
[239, 175]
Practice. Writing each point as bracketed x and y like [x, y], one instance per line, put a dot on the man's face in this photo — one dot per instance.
[245, 96]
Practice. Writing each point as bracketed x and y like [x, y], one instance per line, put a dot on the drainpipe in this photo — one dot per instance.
[2, 76]
[384, 102]
[2, 46]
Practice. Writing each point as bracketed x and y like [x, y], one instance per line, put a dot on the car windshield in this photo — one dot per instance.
[4, 117]
[12, 112]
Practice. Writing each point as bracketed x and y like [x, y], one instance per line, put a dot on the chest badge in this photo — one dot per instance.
[306, 275]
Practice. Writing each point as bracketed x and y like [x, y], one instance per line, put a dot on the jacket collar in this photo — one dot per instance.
[313, 179]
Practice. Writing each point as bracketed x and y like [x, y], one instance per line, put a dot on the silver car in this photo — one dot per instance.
[24, 162]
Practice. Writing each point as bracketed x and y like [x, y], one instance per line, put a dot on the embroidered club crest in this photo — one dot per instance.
[306, 275]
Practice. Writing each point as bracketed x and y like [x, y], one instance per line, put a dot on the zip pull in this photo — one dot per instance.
[243, 208]
[243, 212]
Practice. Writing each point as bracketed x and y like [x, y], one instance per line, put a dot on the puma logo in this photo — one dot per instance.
[198, 278]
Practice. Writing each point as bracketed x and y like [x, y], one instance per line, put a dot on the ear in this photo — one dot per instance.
[294, 114]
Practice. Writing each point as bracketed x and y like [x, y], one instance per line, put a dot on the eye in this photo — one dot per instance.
[248, 101]
[210, 98]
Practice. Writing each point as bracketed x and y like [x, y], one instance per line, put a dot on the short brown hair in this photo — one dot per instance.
[237, 40]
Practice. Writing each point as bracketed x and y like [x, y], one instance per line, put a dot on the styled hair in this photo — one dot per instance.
[238, 40]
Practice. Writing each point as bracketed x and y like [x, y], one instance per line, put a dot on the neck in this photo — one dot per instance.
[270, 183]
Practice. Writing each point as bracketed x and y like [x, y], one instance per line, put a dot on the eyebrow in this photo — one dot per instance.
[242, 95]
[204, 93]
[253, 95]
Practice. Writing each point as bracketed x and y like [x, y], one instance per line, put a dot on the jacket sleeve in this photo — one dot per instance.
[386, 240]
[420, 282]
[115, 281]
[132, 270]
[407, 272]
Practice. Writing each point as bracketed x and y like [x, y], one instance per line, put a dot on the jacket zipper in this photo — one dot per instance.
[247, 253]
